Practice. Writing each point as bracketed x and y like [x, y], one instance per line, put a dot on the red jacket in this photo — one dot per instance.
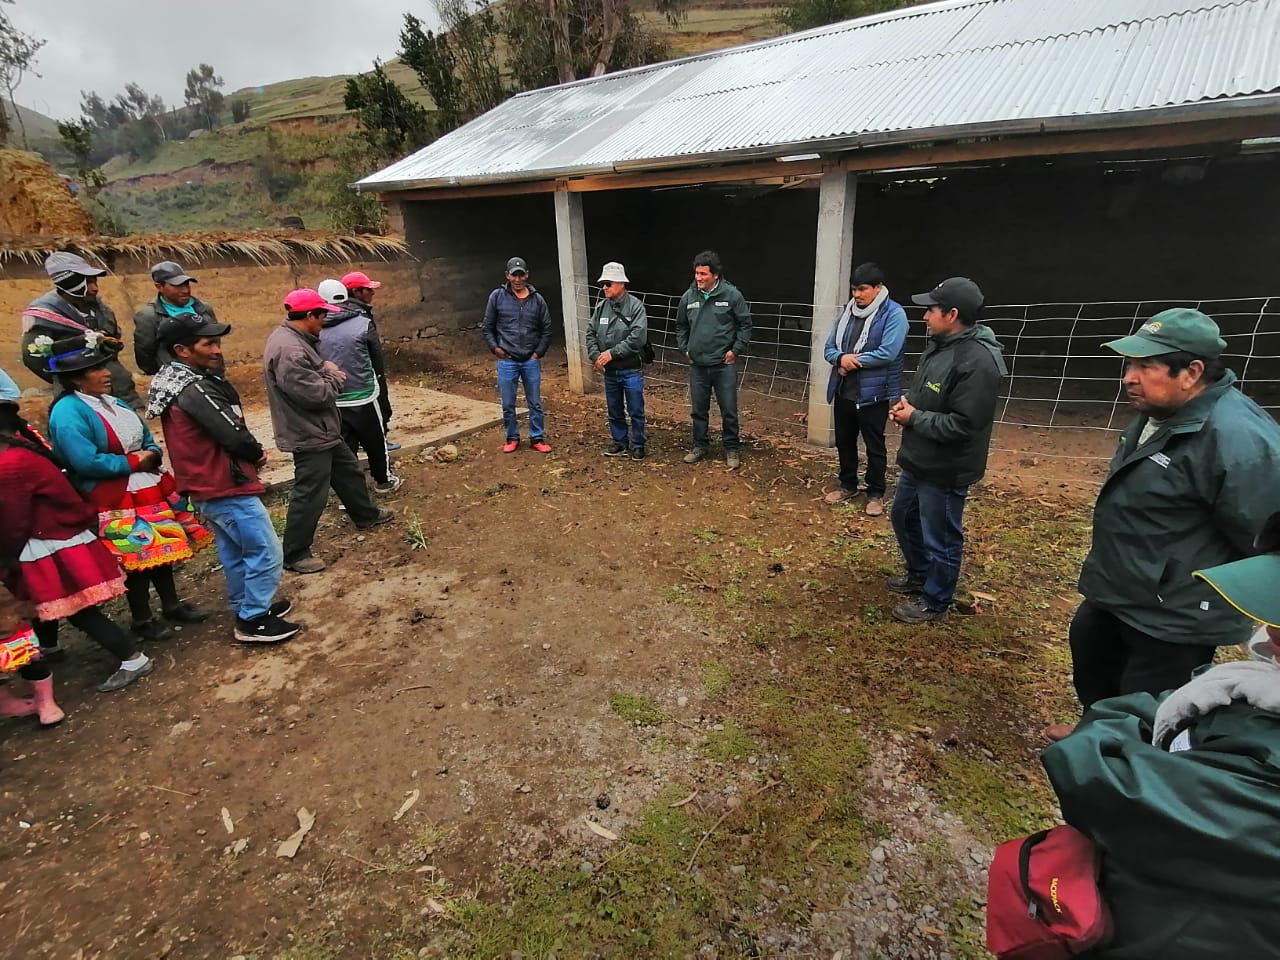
[39, 501]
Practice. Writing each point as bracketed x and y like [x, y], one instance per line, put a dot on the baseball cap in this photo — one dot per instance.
[333, 291]
[169, 272]
[517, 265]
[306, 300]
[959, 293]
[172, 329]
[60, 265]
[1252, 585]
[1172, 331]
[613, 271]
[355, 280]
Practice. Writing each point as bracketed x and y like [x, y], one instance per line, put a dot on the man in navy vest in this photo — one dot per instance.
[865, 353]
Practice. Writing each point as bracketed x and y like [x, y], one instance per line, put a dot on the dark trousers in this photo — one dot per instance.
[101, 629]
[928, 520]
[868, 423]
[314, 472]
[1110, 658]
[138, 591]
[722, 378]
[362, 427]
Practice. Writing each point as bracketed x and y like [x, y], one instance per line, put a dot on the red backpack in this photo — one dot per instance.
[1043, 901]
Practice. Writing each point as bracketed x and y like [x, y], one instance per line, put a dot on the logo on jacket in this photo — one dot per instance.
[935, 387]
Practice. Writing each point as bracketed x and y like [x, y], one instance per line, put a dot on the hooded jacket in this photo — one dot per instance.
[521, 328]
[954, 391]
[350, 340]
[301, 395]
[53, 315]
[150, 353]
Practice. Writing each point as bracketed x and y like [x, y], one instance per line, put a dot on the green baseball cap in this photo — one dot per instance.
[1173, 331]
[1252, 585]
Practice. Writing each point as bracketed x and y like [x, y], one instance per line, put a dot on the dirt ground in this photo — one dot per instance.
[698, 663]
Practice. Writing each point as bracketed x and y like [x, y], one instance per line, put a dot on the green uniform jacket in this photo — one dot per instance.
[620, 326]
[1193, 496]
[1191, 866]
[954, 391]
[709, 327]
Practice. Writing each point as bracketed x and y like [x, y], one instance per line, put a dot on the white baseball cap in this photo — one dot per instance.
[333, 291]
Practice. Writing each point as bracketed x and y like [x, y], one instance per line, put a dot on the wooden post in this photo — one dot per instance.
[571, 241]
[832, 271]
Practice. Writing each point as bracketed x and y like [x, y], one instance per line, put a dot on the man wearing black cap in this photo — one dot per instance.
[1192, 480]
[173, 299]
[67, 311]
[946, 419]
[517, 330]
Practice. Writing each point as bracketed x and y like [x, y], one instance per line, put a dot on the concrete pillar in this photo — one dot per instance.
[571, 241]
[831, 275]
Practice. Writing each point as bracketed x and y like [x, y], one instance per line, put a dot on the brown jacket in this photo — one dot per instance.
[302, 396]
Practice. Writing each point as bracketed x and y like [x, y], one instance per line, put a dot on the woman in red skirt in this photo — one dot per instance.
[50, 554]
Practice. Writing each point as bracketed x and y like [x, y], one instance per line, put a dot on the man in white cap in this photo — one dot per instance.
[173, 299]
[67, 311]
[617, 338]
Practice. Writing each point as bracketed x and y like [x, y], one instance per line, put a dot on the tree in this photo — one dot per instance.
[17, 58]
[392, 124]
[459, 65]
[430, 57]
[203, 95]
[805, 14]
[239, 111]
[77, 137]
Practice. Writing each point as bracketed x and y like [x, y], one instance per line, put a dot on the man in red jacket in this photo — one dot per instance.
[215, 461]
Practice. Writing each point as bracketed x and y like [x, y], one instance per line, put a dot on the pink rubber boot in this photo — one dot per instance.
[12, 706]
[47, 710]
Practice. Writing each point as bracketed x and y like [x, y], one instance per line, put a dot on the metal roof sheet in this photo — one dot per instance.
[965, 65]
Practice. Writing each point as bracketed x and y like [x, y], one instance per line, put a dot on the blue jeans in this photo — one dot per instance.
[623, 394]
[928, 521]
[510, 374]
[723, 379]
[249, 550]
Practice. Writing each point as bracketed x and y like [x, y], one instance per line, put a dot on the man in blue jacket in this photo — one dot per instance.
[517, 330]
[865, 352]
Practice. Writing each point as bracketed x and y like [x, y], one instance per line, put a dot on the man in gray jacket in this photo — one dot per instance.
[302, 393]
[616, 340]
[173, 299]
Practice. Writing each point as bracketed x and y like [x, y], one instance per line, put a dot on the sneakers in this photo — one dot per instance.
[306, 565]
[917, 612]
[541, 445]
[904, 584]
[265, 629]
[875, 507]
[392, 447]
[393, 484]
[185, 612]
[839, 496]
[152, 630]
[280, 608]
[637, 453]
[384, 516]
[696, 454]
[511, 446]
[123, 677]
[617, 450]
[731, 459]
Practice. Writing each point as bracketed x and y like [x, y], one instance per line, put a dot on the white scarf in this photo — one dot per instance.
[854, 312]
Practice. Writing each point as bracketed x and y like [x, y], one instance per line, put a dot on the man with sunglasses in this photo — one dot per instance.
[616, 338]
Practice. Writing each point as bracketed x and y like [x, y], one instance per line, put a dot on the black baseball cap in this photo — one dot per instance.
[959, 293]
[172, 329]
[517, 265]
[169, 272]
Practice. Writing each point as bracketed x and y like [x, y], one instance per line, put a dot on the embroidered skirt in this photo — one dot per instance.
[152, 527]
[18, 649]
[62, 577]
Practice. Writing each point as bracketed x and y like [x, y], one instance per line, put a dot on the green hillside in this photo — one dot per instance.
[37, 124]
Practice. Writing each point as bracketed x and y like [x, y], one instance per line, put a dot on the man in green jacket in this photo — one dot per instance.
[1182, 792]
[1193, 478]
[616, 338]
[946, 419]
[713, 328]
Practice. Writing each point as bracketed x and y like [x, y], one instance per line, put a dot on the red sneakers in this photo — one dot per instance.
[510, 446]
[541, 445]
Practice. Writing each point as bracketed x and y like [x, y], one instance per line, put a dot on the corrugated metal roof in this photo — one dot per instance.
[965, 66]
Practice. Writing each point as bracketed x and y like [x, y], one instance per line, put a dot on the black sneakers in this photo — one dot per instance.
[637, 453]
[904, 584]
[152, 631]
[281, 607]
[917, 612]
[617, 450]
[265, 629]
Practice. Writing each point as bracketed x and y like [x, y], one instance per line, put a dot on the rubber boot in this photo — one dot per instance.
[12, 706]
[47, 709]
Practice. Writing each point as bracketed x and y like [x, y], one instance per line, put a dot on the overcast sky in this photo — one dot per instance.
[97, 45]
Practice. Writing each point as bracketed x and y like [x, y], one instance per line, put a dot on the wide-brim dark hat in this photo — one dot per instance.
[75, 354]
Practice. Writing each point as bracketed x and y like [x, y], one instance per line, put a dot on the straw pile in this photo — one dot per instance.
[35, 200]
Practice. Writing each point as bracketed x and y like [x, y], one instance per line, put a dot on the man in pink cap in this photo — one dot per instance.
[302, 394]
[360, 291]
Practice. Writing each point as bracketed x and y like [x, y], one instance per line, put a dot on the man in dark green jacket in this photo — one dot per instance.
[616, 337]
[713, 327]
[1182, 792]
[173, 299]
[946, 419]
[1191, 481]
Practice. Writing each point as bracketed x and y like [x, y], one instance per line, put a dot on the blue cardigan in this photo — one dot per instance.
[80, 438]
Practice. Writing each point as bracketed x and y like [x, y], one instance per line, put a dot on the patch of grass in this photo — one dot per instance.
[759, 636]
[428, 838]
[706, 536]
[678, 593]
[987, 801]
[751, 543]
[768, 596]
[731, 743]
[637, 709]
[715, 680]
[873, 614]
[415, 535]
[733, 596]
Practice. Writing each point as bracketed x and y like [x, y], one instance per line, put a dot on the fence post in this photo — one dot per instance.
[832, 269]
[571, 243]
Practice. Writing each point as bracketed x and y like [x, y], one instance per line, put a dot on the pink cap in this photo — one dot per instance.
[355, 280]
[306, 300]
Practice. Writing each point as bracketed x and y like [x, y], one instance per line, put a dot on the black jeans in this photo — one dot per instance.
[867, 422]
[314, 472]
[1110, 658]
[723, 379]
[362, 427]
[138, 588]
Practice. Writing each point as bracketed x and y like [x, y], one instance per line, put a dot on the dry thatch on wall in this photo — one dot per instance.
[261, 246]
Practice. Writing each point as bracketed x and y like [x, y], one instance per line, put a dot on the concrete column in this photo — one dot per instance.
[571, 241]
[831, 275]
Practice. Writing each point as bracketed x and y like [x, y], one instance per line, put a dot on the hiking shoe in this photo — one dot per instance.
[917, 612]
[123, 677]
[511, 446]
[306, 565]
[185, 612]
[731, 459]
[265, 629]
[152, 630]
[904, 584]
[696, 454]
[637, 453]
[875, 507]
[384, 516]
[617, 450]
[541, 445]
[839, 496]
[393, 484]
[280, 608]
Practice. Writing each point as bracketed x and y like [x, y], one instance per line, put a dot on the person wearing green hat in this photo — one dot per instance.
[1192, 479]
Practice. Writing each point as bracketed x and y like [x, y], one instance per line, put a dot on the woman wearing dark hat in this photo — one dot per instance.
[116, 464]
[50, 557]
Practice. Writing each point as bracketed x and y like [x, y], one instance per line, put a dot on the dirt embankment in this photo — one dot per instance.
[34, 199]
